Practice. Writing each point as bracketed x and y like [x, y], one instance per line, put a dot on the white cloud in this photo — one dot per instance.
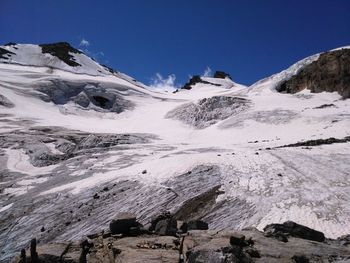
[158, 82]
[207, 72]
[84, 43]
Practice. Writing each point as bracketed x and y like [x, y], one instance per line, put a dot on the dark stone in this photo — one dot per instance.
[325, 106]
[122, 223]
[23, 257]
[96, 196]
[221, 75]
[238, 240]
[253, 252]
[300, 259]
[42, 229]
[85, 249]
[144, 171]
[295, 230]
[166, 227]
[62, 51]
[33, 254]
[197, 225]
[330, 72]
[137, 231]
[162, 216]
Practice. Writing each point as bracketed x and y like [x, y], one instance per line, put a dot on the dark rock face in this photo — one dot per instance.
[61, 50]
[221, 75]
[331, 72]
[194, 80]
[193, 208]
[5, 102]
[4, 54]
[317, 142]
[294, 230]
[123, 223]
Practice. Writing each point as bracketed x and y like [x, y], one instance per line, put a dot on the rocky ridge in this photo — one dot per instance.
[167, 240]
[330, 73]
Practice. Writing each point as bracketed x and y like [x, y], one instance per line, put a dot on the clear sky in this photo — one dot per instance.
[248, 39]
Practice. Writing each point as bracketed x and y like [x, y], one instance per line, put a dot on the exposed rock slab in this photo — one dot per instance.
[330, 72]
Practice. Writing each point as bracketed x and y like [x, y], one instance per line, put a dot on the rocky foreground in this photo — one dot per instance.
[170, 240]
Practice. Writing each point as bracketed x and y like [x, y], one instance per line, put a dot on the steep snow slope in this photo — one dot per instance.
[69, 168]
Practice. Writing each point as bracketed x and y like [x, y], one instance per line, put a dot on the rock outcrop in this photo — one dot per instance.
[249, 245]
[330, 72]
[221, 75]
[5, 54]
[126, 224]
[194, 80]
[62, 51]
[290, 228]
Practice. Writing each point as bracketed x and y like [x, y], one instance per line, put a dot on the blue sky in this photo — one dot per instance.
[248, 39]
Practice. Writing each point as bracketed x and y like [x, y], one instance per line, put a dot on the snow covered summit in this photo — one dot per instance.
[59, 55]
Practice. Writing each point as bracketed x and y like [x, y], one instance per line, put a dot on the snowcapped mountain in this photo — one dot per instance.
[80, 142]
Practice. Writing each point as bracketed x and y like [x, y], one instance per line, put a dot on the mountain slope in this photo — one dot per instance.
[80, 144]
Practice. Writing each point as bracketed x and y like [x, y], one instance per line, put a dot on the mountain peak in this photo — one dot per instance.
[59, 55]
[62, 50]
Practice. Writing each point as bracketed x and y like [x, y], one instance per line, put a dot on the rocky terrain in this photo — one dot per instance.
[80, 143]
[169, 240]
[330, 72]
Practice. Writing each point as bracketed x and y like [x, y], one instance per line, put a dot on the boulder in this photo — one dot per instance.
[300, 259]
[238, 240]
[166, 227]
[196, 225]
[156, 219]
[124, 223]
[295, 230]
